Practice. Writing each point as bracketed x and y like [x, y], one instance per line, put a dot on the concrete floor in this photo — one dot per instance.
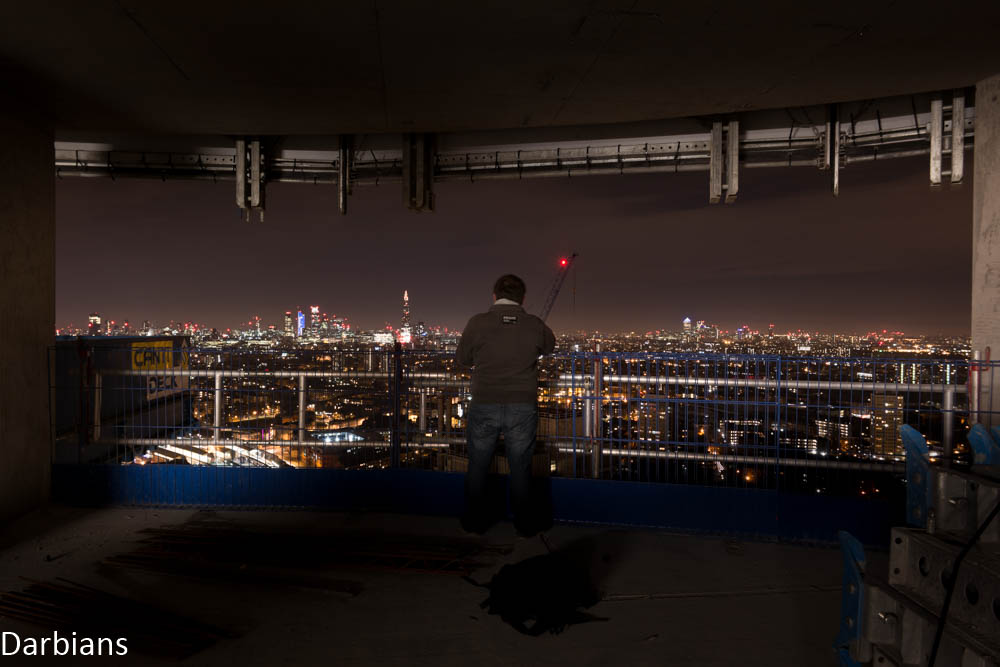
[667, 599]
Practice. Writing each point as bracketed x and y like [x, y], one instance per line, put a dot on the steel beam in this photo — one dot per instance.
[898, 632]
[674, 146]
[921, 566]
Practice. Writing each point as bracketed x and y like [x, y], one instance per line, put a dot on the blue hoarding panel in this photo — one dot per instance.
[686, 508]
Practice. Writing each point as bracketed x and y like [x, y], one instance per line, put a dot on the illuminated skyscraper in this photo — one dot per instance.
[94, 325]
[405, 333]
[289, 323]
[687, 325]
[314, 319]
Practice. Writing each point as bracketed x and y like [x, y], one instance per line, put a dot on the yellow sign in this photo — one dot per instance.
[161, 355]
[153, 356]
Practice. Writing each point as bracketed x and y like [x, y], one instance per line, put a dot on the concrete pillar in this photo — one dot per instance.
[986, 243]
[27, 312]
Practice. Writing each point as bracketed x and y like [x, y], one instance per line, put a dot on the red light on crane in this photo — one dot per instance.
[562, 262]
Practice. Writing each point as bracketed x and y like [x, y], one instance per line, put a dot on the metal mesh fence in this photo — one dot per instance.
[798, 424]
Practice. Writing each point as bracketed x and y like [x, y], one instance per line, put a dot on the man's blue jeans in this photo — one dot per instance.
[518, 422]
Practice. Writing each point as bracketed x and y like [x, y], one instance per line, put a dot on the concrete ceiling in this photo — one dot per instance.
[223, 67]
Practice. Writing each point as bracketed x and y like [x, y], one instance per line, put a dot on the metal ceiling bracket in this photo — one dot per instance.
[724, 162]
[957, 136]
[732, 184]
[831, 147]
[345, 155]
[948, 143]
[418, 172]
[715, 165]
[249, 166]
[937, 136]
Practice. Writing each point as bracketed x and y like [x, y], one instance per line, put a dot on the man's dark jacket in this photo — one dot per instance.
[503, 345]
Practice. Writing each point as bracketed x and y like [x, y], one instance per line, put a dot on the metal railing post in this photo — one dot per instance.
[302, 409]
[596, 430]
[217, 411]
[572, 409]
[974, 388]
[422, 421]
[395, 385]
[83, 394]
[948, 420]
[777, 425]
[96, 435]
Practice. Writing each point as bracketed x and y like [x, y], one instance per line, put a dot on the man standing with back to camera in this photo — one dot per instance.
[502, 346]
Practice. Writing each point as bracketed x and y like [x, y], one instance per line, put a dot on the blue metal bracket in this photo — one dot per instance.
[852, 599]
[918, 483]
[984, 445]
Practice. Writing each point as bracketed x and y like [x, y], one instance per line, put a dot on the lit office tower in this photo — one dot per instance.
[405, 335]
[289, 323]
[687, 325]
[314, 319]
[887, 417]
[94, 325]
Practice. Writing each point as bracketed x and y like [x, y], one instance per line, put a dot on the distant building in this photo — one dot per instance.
[405, 332]
[687, 325]
[887, 418]
[289, 324]
[94, 325]
[314, 319]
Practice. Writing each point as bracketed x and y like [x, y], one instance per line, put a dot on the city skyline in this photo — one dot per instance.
[651, 252]
[279, 325]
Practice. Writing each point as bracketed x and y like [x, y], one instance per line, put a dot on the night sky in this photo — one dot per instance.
[887, 253]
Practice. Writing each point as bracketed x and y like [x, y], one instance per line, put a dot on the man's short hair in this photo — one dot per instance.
[509, 287]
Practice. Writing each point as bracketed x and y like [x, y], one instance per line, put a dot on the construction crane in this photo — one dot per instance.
[565, 264]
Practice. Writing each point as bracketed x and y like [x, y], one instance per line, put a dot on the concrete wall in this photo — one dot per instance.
[27, 312]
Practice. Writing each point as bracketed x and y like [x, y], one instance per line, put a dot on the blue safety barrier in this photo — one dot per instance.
[852, 600]
[917, 476]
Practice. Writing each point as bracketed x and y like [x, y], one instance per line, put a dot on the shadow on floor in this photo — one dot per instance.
[547, 593]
